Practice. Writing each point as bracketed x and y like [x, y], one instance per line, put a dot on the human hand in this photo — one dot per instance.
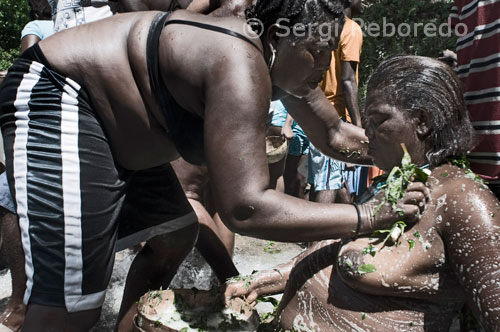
[287, 132]
[258, 284]
[408, 209]
[242, 289]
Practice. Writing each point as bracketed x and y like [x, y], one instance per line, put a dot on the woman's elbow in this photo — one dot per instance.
[238, 218]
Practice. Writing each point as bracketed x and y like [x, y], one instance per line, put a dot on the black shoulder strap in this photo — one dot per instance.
[214, 28]
[152, 52]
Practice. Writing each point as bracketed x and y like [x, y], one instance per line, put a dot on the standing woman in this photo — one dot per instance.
[80, 143]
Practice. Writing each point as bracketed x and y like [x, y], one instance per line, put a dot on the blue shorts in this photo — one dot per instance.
[357, 180]
[300, 143]
[324, 173]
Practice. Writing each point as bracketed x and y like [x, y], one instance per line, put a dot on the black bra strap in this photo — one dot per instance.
[213, 28]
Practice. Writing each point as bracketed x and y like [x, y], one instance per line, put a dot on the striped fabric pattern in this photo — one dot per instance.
[46, 171]
[478, 68]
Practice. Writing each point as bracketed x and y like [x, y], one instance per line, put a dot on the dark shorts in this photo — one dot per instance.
[75, 205]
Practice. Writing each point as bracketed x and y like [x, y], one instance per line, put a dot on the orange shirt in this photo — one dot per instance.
[349, 49]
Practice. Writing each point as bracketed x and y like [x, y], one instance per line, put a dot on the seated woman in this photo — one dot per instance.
[448, 258]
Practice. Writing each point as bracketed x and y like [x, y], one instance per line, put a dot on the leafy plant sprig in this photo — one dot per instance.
[399, 178]
[395, 186]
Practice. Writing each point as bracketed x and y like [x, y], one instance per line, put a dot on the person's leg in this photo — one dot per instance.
[211, 246]
[323, 196]
[275, 169]
[215, 241]
[343, 196]
[225, 234]
[13, 315]
[325, 176]
[294, 182]
[41, 318]
[154, 267]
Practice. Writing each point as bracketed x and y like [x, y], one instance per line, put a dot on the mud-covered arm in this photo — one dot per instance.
[471, 236]
[325, 129]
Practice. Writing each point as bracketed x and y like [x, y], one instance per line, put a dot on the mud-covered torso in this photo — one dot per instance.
[415, 266]
[413, 289]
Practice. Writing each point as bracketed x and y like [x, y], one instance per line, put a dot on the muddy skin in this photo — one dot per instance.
[446, 259]
[417, 289]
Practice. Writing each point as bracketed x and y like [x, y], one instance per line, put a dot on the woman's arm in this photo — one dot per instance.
[326, 130]
[472, 237]
[236, 107]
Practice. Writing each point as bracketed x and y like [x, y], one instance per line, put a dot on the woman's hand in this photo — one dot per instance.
[262, 283]
[287, 132]
[243, 289]
[408, 209]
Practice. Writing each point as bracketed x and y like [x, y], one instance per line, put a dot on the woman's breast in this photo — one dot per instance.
[324, 302]
[416, 266]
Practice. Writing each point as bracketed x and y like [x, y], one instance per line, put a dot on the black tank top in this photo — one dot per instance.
[183, 127]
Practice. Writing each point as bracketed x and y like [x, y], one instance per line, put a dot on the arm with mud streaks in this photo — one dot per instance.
[471, 236]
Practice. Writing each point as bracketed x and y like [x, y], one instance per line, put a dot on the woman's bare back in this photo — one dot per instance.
[109, 61]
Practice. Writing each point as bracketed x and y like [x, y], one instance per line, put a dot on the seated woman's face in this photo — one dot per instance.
[386, 128]
[301, 63]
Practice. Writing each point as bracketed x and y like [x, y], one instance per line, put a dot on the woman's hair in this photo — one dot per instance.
[414, 83]
[296, 11]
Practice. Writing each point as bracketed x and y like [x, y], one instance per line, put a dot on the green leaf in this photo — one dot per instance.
[366, 268]
[370, 250]
[411, 244]
[406, 156]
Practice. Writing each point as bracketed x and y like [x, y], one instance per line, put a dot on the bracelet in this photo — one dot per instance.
[358, 228]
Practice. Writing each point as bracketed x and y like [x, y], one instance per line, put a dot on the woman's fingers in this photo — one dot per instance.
[419, 187]
[410, 213]
[415, 198]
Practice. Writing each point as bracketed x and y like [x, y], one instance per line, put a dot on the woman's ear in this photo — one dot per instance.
[423, 125]
[273, 34]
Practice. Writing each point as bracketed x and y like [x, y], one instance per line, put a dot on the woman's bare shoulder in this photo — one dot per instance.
[461, 198]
